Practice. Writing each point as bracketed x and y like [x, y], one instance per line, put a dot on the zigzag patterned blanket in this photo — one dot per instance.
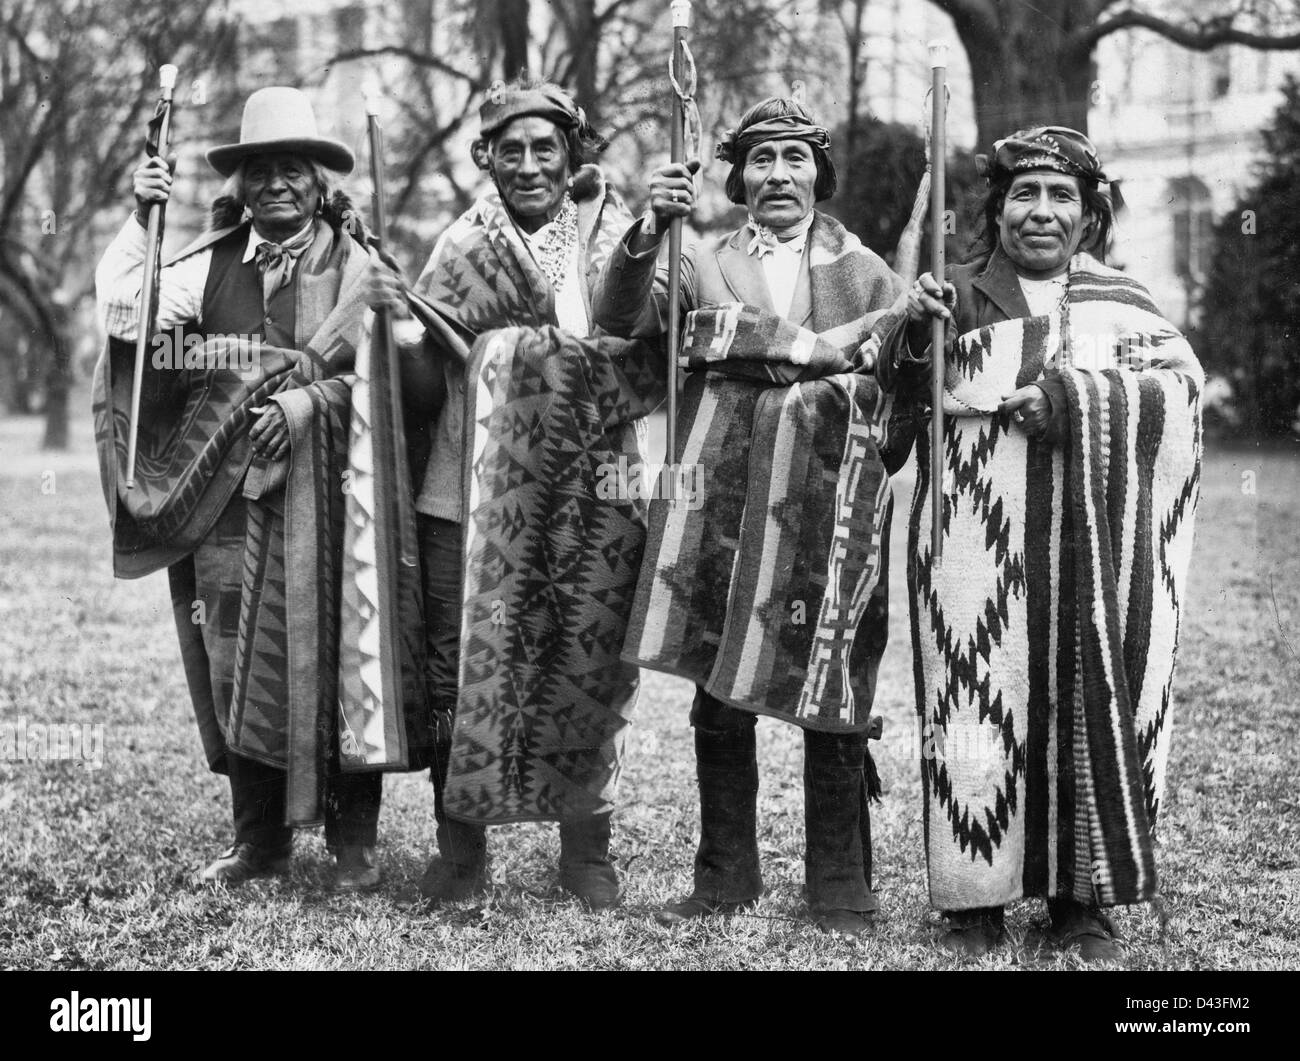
[1044, 643]
[384, 719]
[551, 561]
[769, 589]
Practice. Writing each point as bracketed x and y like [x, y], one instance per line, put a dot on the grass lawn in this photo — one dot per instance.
[95, 865]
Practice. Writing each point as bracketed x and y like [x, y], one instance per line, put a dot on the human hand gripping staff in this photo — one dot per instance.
[156, 145]
[681, 75]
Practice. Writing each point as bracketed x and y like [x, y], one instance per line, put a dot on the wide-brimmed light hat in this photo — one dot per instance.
[280, 120]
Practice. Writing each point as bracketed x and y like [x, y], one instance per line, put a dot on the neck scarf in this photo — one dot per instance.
[767, 240]
[553, 244]
[275, 260]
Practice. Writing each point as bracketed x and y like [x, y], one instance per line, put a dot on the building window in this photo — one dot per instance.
[1220, 72]
[1193, 219]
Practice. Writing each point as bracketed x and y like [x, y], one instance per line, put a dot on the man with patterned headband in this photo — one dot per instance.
[771, 596]
[1045, 641]
[523, 659]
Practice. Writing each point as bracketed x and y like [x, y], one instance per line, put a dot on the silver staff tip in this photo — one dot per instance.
[938, 54]
[167, 75]
[681, 10]
[372, 99]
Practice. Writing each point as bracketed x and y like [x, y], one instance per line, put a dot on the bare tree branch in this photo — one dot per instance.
[412, 55]
[1198, 35]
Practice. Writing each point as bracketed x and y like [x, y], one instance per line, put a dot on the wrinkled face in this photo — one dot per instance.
[779, 177]
[282, 193]
[530, 161]
[1042, 222]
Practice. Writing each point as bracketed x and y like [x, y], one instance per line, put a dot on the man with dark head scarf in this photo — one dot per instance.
[1045, 641]
[771, 593]
[523, 657]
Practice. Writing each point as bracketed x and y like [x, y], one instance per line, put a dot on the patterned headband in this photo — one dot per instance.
[1051, 147]
[735, 143]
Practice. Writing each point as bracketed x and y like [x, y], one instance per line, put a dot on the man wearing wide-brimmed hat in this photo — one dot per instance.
[244, 441]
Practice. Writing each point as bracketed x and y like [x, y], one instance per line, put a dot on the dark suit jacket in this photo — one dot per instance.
[987, 293]
[632, 298]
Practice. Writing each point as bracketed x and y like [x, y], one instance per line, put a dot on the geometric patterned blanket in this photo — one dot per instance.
[767, 586]
[1044, 643]
[279, 701]
[384, 719]
[551, 561]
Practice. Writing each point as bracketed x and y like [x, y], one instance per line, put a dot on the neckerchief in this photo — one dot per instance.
[275, 260]
[553, 244]
[766, 240]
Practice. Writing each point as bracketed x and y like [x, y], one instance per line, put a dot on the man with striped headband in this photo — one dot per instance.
[771, 594]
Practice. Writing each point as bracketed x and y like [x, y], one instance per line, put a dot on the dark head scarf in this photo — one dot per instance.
[523, 99]
[776, 119]
[505, 103]
[1051, 147]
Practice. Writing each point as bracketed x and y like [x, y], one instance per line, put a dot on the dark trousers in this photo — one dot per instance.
[837, 819]
[257, 792]
[440, 560]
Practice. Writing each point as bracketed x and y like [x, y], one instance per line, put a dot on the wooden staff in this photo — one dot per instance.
[938, 326]
[394, 512]
[162, 122]
[681, 12]
[385, 369]
[378, 208]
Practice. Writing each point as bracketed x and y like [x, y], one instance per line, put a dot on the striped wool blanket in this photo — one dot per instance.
[384, 719]
[551, 560]
[1044, 643]
[257, 543]
[767, 586]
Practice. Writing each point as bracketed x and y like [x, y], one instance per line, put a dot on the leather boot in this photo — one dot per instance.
[972, 933]
[837, 831]
[585, 868]
[243, 861]
[1084, 929]
[459, 871]
[356, 868]
[727, 873]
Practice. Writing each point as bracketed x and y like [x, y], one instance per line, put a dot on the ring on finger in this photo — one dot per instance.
[1020, 417]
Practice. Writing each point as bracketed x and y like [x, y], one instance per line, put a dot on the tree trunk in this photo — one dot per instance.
[514, 38]
[854, 39]
[585, 44]
[1023, 72]
[1025, 87]
[58, 381]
